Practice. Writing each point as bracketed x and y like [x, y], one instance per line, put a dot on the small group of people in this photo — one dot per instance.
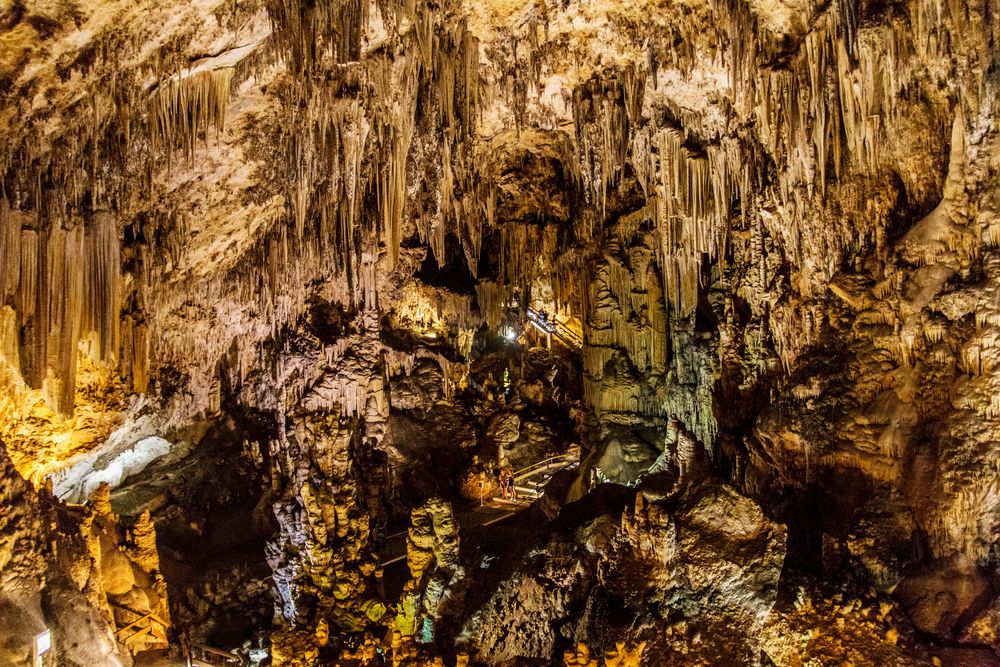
[506, 478]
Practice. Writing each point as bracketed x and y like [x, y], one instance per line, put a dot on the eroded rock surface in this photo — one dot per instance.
[68, 569]
[685, 563]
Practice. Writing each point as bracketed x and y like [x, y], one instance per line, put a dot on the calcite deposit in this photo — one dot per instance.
[480, 332]
[79, 573]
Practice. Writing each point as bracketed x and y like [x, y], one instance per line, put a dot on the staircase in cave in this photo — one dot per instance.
[530, 481]
[549, 325]
[529, 484]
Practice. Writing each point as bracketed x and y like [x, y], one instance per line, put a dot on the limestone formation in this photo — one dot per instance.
[64, 569]
[432, 557]
[320, 556]
[288, 286]
[700, 574]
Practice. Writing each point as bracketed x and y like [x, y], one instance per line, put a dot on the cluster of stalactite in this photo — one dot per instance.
[606, 110]
[807, 115]
[493, 299]
[353, 123]
[691, 197]
[348, 119]
[817, 124]
[63, 196]
[815, 130]
[423, 309]
[353, 118]
[642, 363]
[63, 283]
[826, 116]
[402, 363]
[186, 105]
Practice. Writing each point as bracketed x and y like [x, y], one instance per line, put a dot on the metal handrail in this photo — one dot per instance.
[553, 326]
[228, 655]
[567, 334]
[527, 471]
[523, 472]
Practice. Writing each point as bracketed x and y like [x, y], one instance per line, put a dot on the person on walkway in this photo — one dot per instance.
[507, 483]
[511, 494]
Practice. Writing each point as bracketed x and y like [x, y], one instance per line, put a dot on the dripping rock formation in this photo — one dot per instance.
[469, 332]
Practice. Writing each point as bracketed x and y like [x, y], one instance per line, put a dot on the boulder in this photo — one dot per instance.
[937, 595]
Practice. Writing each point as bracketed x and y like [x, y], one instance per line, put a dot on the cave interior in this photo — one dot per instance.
[584, 333]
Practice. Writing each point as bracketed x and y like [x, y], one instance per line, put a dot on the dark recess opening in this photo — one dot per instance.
[454, 275]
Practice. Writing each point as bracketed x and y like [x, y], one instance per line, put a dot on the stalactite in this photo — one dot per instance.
[392, 187]
[28, 274]
[64, 300]
[185, 105]
[693, 197]
[393, 93]
[311, 33]
[10, 253]
[101, 276]
[601, 113]
[63, 285]
[492, 299]
[134, 363]
[402, 363]
[9, 343]
[570, 285]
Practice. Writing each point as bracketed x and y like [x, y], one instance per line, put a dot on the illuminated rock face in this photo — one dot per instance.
[78, 572]
[674, 568]
[321, 558]
[773, 224]
[432, 558]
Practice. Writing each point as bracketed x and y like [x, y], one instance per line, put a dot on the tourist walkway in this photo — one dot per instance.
[550, 325]
[529, 484]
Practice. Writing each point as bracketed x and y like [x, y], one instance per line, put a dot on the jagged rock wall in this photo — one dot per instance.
[321, 556]
[77, 571]
[910, 375]
[432, 558]
[676, 570]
